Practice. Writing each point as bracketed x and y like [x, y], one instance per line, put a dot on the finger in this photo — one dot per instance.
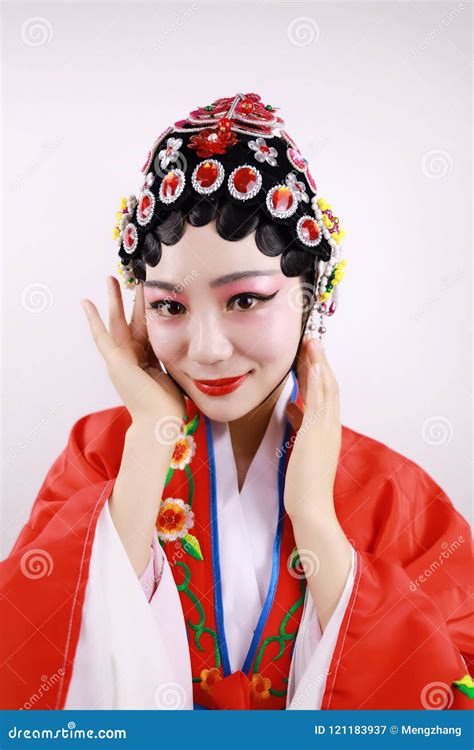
[99, 332]
[317, 355]
[118, 326]
[138, 322]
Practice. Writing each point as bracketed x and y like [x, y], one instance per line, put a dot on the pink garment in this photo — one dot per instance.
[150, 577]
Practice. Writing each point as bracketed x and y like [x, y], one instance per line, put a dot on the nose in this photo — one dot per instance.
[208, 342]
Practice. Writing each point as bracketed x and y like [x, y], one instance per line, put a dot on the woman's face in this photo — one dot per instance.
[217, 309]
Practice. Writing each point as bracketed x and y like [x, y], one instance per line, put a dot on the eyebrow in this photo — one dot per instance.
[220, 281]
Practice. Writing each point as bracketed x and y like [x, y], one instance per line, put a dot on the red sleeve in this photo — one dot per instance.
[407, 634]
[43, 581]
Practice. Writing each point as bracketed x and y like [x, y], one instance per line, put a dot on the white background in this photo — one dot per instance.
[377, 97]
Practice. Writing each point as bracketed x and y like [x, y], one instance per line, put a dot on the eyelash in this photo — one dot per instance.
[259, 297]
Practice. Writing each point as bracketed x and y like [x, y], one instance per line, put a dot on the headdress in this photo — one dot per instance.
[235, 146]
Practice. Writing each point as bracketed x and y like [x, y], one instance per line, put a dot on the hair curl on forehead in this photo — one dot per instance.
[233, 223]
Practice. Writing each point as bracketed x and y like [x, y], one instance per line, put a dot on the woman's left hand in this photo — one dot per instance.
[313, 461]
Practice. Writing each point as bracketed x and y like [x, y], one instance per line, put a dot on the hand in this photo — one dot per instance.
[146, 390]
[313, 461]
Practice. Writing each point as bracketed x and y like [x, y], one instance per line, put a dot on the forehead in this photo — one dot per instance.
[203, 252]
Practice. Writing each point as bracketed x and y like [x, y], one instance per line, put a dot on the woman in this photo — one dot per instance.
[220, 540]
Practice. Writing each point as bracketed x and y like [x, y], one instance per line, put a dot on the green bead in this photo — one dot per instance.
[208, 108]
[268, 106]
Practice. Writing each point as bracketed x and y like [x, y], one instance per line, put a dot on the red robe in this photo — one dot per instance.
[407, 633]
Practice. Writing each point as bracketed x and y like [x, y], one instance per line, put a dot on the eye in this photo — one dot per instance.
[167, 305]
[248, 298]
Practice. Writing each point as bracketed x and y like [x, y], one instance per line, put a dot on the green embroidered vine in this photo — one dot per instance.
[282, 638]
[200, 627]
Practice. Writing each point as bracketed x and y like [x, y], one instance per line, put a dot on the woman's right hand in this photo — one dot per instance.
[146, 390]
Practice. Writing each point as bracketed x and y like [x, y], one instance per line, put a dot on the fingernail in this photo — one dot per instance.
[316, 367]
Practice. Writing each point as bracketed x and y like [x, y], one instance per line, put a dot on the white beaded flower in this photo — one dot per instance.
[171, 152]
[298, 187]
[263, 152]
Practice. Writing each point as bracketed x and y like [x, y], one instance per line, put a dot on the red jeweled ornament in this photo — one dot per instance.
[207, 176]
[245, 182]
[308, 231]
[172, 186]
[146, 206]
[281, 201]
[130, 238]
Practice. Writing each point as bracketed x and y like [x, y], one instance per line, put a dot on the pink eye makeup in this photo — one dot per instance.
[241, 302]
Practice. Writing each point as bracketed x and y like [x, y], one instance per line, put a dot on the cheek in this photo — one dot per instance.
[271, 334]
[165, 340]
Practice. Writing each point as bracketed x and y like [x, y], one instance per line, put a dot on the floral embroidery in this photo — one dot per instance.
[209, 677]
[171, 152]
[184, 450]
[465, 685]
[263, 152]
[260, 686]
[174, 519]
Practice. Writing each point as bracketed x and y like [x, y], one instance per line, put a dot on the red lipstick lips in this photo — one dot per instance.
[221, 386]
